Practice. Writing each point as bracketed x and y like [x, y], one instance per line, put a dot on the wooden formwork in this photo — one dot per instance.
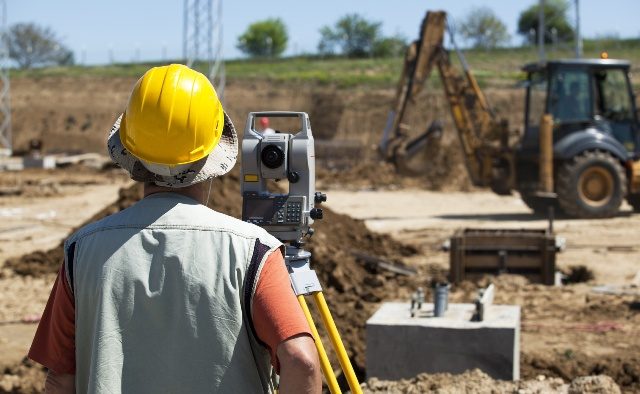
[527, 252]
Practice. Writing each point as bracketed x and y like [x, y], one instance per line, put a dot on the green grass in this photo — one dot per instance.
[498, 67]
[116, 70]
[337, 71]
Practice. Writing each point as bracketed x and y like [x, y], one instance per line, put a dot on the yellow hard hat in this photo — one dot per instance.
[173, 117]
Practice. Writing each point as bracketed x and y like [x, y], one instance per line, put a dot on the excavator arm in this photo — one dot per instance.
[484, 139]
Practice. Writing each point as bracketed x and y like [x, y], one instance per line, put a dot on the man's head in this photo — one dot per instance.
[174, 132]
[264, 122]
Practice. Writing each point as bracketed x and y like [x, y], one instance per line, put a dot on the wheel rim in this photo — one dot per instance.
[595, 186]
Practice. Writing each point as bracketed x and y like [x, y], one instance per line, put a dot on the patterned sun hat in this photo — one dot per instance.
[220, 161]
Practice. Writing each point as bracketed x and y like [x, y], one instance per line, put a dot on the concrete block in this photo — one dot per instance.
[46, 162]
[400, 346]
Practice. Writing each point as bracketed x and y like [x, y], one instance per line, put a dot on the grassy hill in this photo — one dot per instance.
[498, 67]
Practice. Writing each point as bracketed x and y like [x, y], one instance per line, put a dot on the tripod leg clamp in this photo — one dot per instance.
[303, 279]
[305, 282]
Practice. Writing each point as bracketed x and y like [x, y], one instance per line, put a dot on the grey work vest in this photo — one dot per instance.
[163, 300]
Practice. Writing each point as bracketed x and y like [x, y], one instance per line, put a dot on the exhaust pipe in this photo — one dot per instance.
[546, 153]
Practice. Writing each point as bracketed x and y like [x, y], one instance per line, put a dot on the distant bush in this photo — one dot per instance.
[484, 29]
[555, 19]
[31, 45]
[354, 36]
[266, 38]
[389, 47]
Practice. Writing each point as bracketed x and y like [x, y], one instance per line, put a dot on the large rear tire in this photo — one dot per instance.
[591, 185]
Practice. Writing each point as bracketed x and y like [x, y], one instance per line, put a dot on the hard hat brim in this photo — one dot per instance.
[220, 161]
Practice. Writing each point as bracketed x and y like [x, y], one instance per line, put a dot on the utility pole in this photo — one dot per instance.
[202, 39]
[541, 55]
[6, 139]
[578, 35]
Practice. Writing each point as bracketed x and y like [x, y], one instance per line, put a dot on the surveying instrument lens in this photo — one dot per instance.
[272, 156]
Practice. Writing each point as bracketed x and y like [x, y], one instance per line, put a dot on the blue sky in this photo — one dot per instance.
[148, 30]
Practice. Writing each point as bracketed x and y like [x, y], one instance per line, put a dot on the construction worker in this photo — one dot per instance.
[264, 123]
[169, 295]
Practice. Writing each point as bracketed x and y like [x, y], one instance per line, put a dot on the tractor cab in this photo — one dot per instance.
[581, 95]
[595, 136]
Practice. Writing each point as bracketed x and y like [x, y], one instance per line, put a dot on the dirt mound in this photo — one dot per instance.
[475, 381]
[26, 377]
[624, 371]
[35, 182]
[593, 384]
[441, 170]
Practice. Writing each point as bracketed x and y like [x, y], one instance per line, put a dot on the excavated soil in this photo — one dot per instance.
[477, 382]
[354, 286]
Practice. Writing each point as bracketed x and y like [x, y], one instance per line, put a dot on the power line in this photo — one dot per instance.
[578, 33]
[202, 39]
[6, 139]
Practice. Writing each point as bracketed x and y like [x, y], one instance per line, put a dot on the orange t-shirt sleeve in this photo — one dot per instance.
[277, 315]
[54, 343]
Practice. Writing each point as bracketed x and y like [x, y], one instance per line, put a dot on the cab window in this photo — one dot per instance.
[536, 97]
[613, 100]
[570, 98]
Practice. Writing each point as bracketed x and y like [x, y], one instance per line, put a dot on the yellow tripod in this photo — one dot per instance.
[305, 282]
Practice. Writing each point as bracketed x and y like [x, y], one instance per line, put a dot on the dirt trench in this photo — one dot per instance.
[85, 107]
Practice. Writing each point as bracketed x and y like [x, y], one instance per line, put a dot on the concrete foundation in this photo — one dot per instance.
[400, 346]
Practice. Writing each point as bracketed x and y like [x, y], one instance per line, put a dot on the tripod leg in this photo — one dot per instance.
[330, 325]
[327, 371]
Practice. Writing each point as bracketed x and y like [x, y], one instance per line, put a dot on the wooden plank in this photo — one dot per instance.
[383, 264]
[493, 261]
[474, 276]
[498, 241]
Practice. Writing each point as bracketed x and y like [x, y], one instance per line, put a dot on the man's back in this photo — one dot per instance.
[160, 291]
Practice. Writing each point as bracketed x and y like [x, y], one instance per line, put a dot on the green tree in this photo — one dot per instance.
[389, 46]
[31, 45]
[353, 34]
[484, 29]
[555, 17]
[267, 38]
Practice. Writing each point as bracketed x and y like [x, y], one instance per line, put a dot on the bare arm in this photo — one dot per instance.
[59, 383]
[299, 366]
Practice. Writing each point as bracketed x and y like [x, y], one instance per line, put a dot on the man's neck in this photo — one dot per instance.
[196, 192]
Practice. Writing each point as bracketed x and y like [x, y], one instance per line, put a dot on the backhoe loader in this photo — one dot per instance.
[580, 148]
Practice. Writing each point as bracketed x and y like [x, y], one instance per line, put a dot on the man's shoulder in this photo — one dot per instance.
[183, 216]
[240, 227]
[109, 221]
